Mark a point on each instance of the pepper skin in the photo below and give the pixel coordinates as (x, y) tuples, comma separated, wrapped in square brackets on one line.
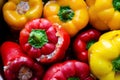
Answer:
[(72, 15), (17, 13), (68, 70), (18, 66), (82, 43), (104, 14), (44, 41), (104, 56)]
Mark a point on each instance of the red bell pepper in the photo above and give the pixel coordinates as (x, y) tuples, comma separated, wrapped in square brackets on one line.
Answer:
[(18, 66), (69, 70), (44, 41), (82, 43)]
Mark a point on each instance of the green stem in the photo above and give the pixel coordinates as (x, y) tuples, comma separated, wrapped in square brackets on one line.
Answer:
[(116, 64), (37, 38), (89, 44), (116, 5), (65, 13), (73, 78)]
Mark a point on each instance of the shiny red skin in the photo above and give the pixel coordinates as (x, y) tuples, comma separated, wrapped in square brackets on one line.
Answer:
[(80, 43), (13, 58), (51, 30), (67, 69)]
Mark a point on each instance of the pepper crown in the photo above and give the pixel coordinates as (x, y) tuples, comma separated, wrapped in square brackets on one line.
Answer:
[(116, 4), (73, 78), (37, 38), (89, 44), (116, 64), (65, 13)]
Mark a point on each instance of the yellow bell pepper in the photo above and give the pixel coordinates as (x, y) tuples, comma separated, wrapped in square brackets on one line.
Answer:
[(104, 14), (72, 15), (104, 56), (17, 12)]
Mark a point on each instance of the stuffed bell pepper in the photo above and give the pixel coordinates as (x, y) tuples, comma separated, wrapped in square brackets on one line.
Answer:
[(104, 56), (18, 66), (44, 41), (71, 14), (82, 43), (104, 14), (17, 13), (69, 70)]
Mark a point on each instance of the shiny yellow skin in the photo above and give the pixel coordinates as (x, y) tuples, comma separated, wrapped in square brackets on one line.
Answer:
[(90, 2), (78, 22), (102, 14), (17, 21), (102, 53)]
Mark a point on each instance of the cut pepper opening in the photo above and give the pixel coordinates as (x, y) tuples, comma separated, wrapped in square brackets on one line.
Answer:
[(37, 38), (24, 73), (22, 7), (65, 13), (116, 4), (116, 64)]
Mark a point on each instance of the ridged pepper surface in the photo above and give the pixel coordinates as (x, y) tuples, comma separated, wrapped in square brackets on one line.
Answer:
[(104, 56)]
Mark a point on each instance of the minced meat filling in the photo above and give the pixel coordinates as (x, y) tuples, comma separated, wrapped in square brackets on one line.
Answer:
[(22, 7), (24, 73)]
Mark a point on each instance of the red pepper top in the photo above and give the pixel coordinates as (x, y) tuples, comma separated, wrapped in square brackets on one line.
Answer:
[(69, 70), (44, 41)]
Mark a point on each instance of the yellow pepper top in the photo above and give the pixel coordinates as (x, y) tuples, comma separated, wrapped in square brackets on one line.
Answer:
[(72, 15), (104, 14), (104, 56), (17, 12)]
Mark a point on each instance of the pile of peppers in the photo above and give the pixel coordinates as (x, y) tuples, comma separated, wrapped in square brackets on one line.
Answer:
[(60, 40)]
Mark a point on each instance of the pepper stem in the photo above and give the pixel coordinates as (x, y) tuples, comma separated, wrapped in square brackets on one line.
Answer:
[(116, 64), (73, 78), (89, 44), (116, 4), (65, 13), (37, 38)]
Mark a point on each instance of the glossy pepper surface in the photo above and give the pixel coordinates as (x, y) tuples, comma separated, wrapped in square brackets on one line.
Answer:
[(83, 41), (18, 66), (104, 56), (71, 14), (17, 12), (44, 41), (104, 14), (68, 70)]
